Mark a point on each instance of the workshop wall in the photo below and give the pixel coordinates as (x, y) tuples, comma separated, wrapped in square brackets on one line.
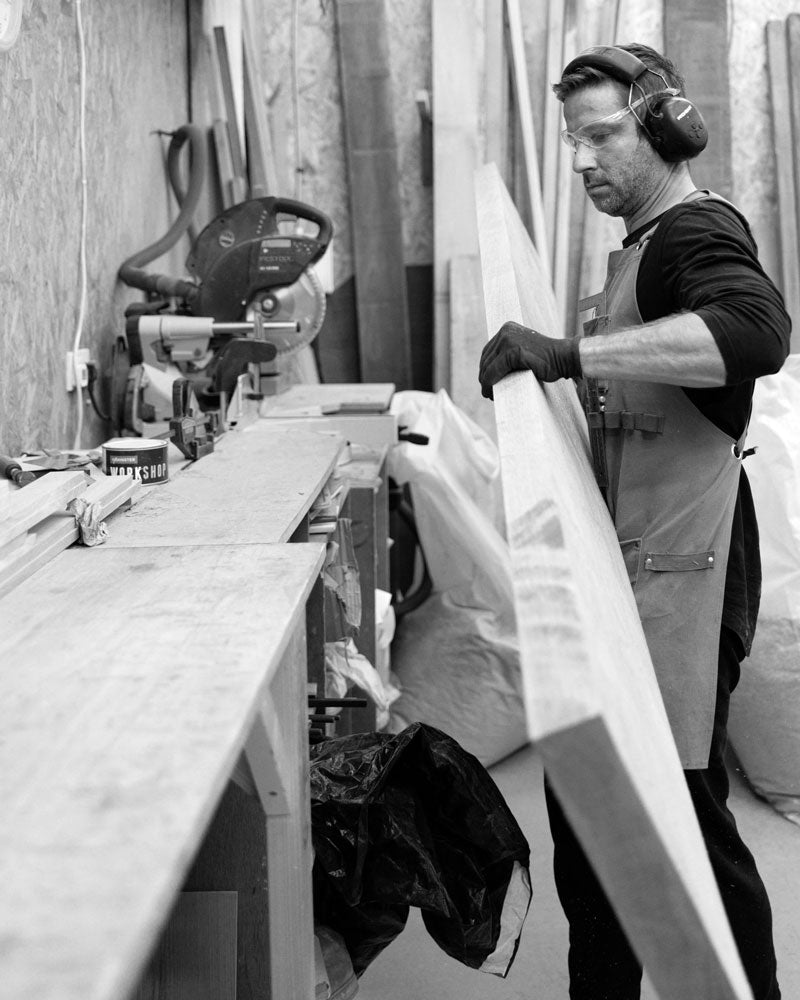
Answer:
[(135, 57)]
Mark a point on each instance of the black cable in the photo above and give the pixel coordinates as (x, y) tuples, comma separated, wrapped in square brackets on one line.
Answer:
[(91, 369)]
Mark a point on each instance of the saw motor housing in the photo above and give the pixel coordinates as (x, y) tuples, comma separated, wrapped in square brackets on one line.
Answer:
[(254, 298)]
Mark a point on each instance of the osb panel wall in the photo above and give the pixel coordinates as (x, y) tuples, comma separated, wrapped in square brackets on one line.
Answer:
[(135, 84), (754, 181), (304, 77)]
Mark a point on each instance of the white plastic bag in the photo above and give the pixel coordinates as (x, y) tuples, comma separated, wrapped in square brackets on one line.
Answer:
[(765, 708), (456, 657)]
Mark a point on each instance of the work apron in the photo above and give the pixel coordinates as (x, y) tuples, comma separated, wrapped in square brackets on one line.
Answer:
[(671, 481)]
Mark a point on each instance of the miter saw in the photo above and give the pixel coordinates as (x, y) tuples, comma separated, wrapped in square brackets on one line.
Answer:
[(253, 300)]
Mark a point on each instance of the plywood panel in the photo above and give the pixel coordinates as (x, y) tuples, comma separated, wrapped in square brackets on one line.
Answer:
[(591, 698), (135, 86)]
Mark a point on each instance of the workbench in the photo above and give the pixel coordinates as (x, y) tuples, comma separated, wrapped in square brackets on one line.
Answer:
[(132, 680), (150, 687)]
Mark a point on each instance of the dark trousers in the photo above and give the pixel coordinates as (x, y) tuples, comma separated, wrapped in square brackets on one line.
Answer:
[(601, 963)]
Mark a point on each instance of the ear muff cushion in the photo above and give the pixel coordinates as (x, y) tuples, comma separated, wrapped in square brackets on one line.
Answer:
[(676, 129)]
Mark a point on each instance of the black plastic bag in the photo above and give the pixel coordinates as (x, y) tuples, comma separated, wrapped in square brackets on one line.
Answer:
[(414, 820)]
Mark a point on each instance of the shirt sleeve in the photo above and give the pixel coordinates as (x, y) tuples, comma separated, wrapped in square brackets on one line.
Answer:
[(703, 259)]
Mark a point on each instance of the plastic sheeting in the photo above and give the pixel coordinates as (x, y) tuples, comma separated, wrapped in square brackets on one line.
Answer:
[(456, 657), (765, 709), (412, 819)]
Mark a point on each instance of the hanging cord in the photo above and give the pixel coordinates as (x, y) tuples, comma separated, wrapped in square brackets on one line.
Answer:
[(82, 253)]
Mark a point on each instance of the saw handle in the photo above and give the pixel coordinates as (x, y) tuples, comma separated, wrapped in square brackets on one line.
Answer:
[(302, 211)]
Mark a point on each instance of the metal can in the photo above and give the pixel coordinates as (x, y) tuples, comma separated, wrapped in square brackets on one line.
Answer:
[(144, 459)]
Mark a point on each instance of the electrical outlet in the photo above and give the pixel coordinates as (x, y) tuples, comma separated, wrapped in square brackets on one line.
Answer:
[(77, 366)]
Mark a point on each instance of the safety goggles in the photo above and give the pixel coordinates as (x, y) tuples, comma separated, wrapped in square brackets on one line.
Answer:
[(598, 133)]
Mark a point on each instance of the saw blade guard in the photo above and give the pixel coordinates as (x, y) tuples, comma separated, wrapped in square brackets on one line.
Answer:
[(252, 250)]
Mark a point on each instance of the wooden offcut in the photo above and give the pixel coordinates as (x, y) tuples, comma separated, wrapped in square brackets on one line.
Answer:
[(592, 703), (375, 206), (41, 498), (48, 537)]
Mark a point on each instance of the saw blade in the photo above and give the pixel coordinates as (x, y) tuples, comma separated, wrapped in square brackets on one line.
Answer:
[(302, 302)]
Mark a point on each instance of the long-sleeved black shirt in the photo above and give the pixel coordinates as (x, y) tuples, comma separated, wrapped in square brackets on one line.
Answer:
[(703, 259)]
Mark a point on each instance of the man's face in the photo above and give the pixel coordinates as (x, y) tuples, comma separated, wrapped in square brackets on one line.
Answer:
[(620, 168)]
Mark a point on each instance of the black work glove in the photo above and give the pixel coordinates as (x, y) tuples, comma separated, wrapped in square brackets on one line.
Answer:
[(516, 348)]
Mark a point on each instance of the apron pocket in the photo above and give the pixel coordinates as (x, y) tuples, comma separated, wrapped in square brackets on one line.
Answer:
[(667, 562)]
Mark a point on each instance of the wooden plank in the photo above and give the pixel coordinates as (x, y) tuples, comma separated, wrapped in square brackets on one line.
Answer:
[(131, 679), (592, 702), (256, 486), (261, 167), (47, 495), (793, 60), (554, 63), (783, 144), (374, 183), (519, 69), (456, 29), (223, 72), (333, 397), (196, 957), (562, 232), (495, 87), (59, 531)]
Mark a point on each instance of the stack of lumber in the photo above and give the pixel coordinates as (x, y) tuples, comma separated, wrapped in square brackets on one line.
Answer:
[(42, 519)]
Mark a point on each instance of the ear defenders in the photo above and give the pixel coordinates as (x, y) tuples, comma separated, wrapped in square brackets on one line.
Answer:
[(673, 124)]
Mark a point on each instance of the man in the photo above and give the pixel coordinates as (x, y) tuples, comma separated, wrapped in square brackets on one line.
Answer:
[(686, 322)]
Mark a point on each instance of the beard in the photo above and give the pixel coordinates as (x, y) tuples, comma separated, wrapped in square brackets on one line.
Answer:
[(631, 185)]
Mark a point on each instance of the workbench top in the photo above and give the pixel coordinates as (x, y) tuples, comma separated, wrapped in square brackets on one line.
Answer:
[(256, 486), (131, 678)]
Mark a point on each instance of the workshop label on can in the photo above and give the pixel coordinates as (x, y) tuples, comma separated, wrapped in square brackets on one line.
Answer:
[(145, 459)]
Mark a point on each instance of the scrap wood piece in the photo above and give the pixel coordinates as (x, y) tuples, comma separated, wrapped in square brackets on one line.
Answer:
[(592, 702), (33, 503), (26, 554), (384, 337)]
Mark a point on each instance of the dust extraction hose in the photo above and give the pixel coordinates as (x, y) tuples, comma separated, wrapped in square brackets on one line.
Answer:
[(131, 271)]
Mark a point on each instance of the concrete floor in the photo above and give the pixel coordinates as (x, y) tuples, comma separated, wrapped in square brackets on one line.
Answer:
[(414, 968)]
